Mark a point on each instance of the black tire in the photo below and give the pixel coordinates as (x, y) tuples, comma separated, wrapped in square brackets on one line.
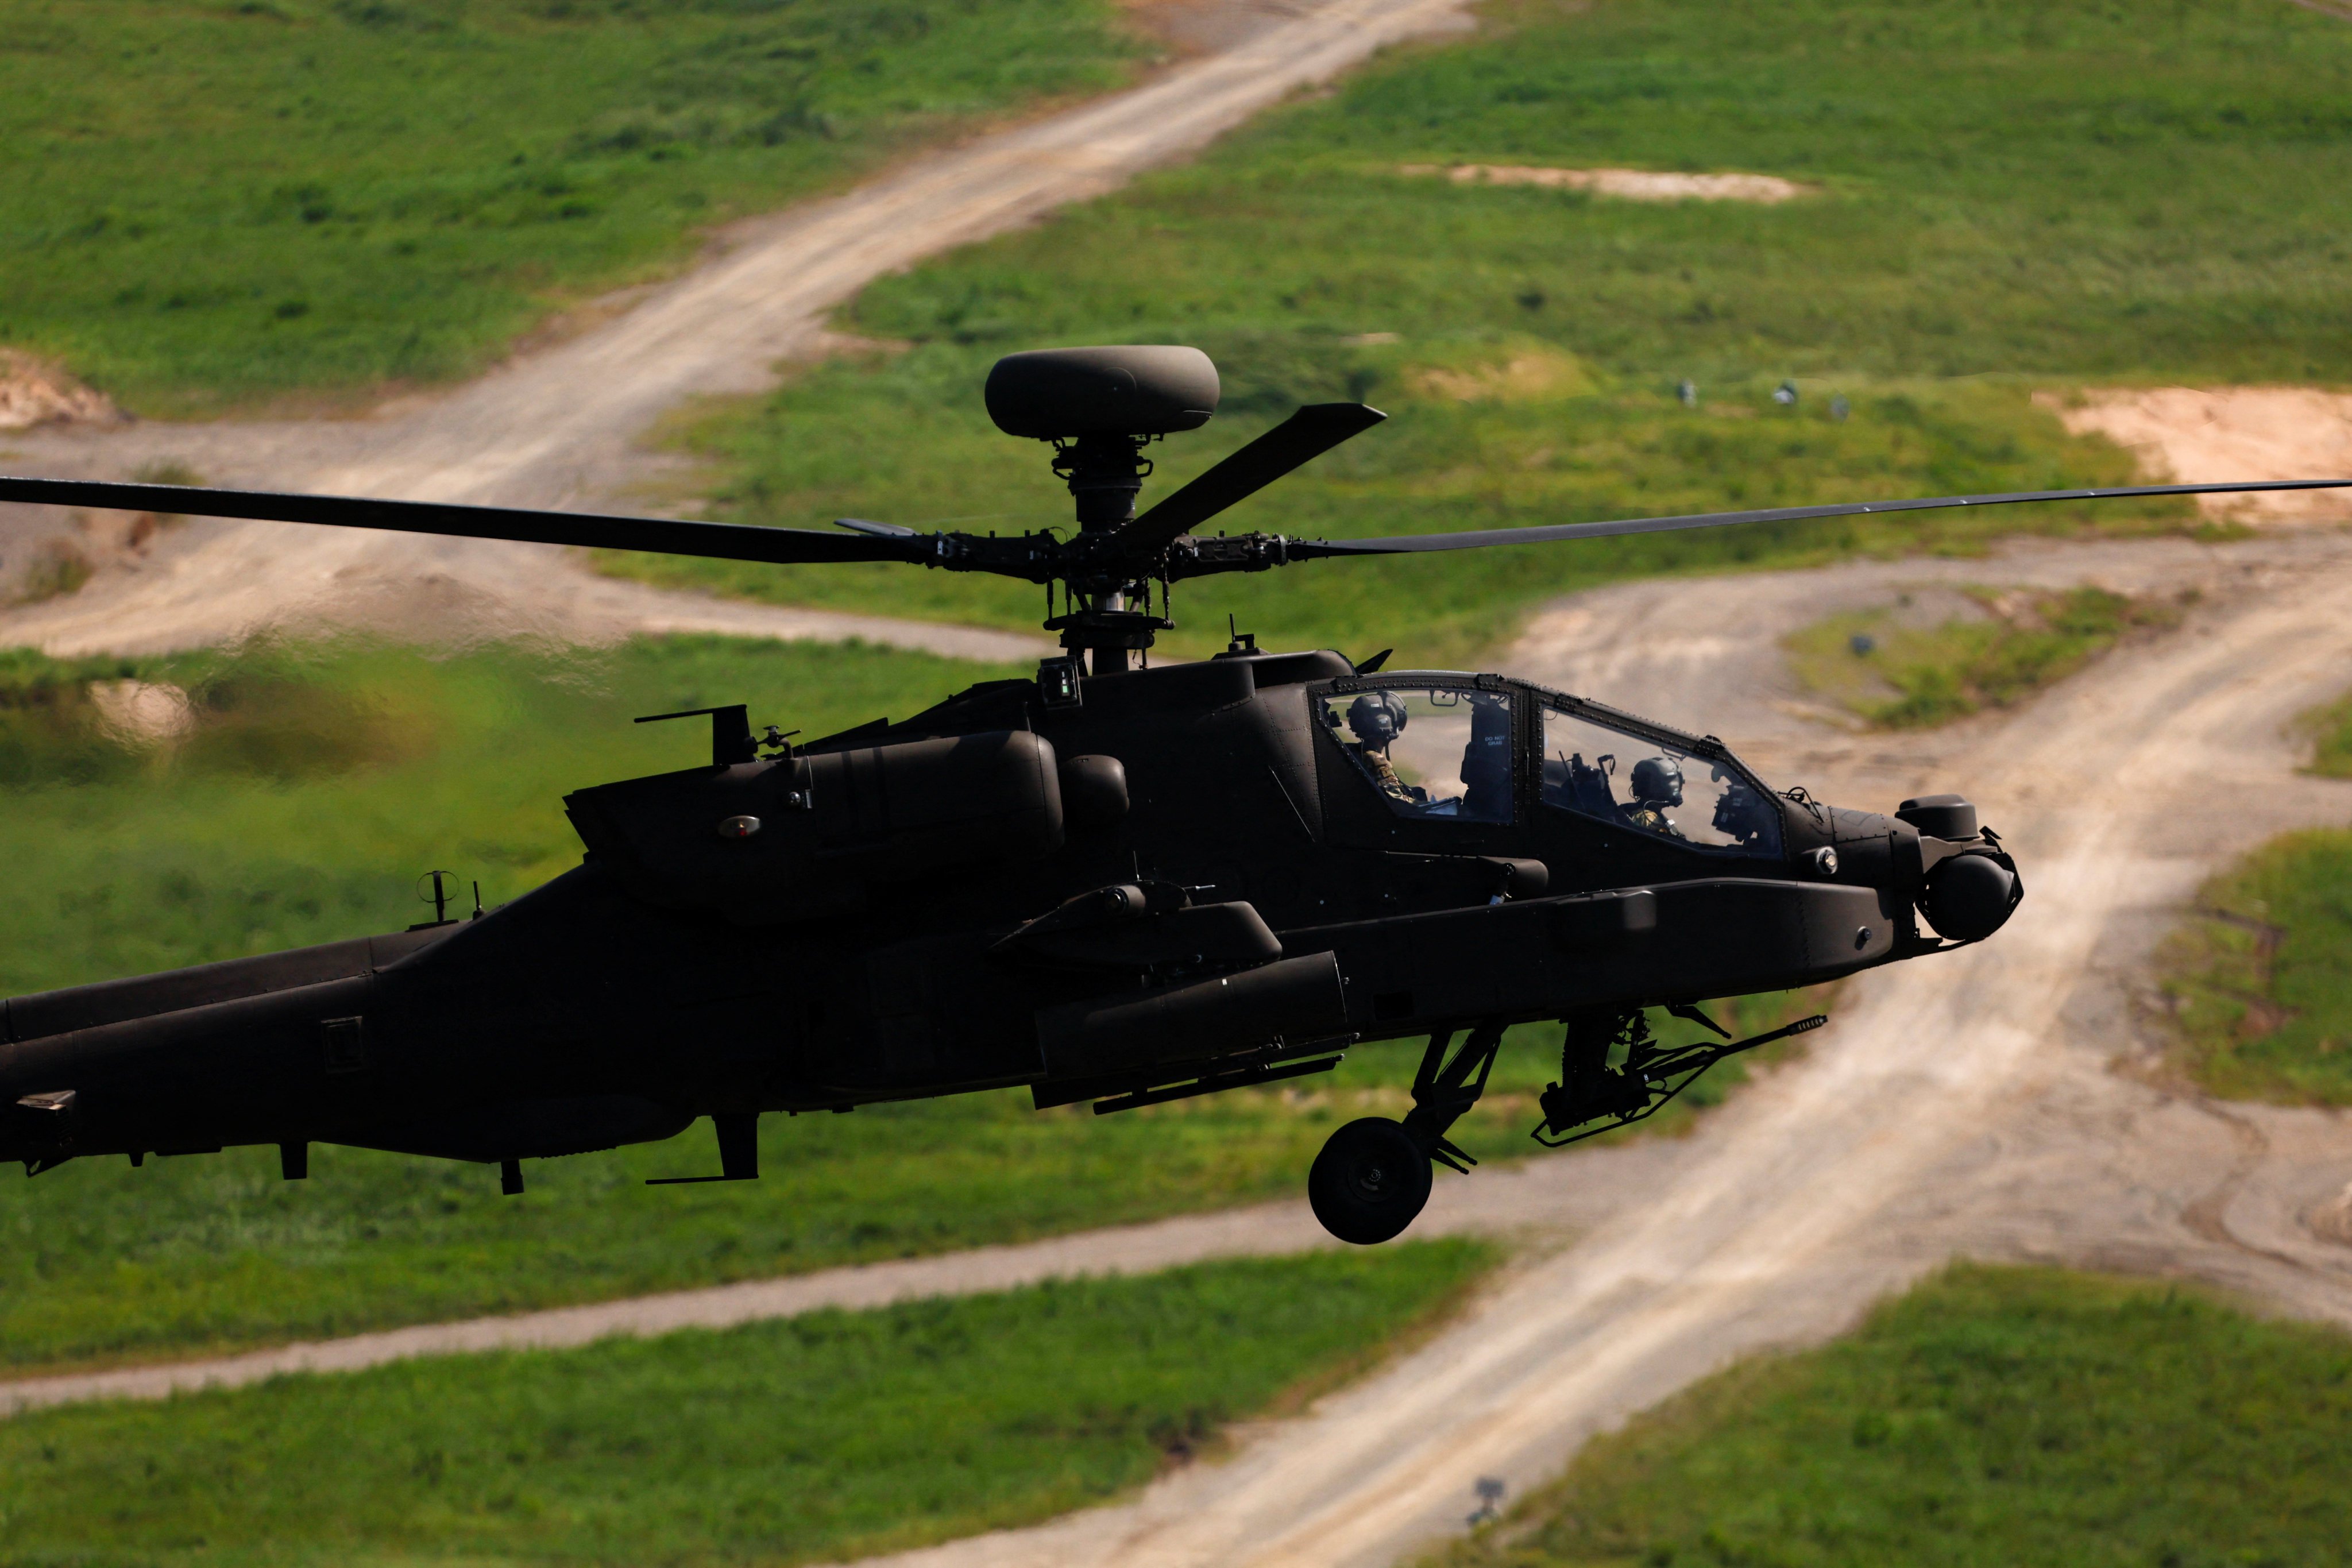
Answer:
[(1370, 1181)]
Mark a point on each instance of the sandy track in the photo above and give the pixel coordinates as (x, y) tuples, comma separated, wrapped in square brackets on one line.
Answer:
[(1544, 1198), (2207, 435), (552, 429), (1132, 1249)]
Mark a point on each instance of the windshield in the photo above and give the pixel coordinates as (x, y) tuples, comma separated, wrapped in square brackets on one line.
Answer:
[(1617, 776), (1431, 751)]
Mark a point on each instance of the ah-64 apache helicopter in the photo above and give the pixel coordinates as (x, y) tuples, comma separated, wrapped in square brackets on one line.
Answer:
[(1112, 883)]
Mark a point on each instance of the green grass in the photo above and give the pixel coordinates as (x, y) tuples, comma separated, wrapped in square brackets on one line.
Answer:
[(826, 1437), (316, 786), (2330, 728), (102, 1263), (2012, 198), (322, 780), (2068, 189), (2260, 975), (1992, 1418), (209, 204), (1893, 669)]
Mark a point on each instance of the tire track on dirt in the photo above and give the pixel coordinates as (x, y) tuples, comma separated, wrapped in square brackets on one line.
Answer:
[(1543, 1198)]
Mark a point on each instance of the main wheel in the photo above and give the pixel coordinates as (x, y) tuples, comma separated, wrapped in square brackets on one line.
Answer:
[(1369, 1181)]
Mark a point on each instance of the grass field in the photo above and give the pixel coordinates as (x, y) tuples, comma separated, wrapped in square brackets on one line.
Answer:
[(1993, 1418), (2259, 975), (2330, 728), (209, 206), (2009, 197), (1894, 669), (825, 1436), (102, 1263), (315, 787), (323, 779)]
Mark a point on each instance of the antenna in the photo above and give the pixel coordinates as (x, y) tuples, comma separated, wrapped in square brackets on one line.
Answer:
[(433, 888)]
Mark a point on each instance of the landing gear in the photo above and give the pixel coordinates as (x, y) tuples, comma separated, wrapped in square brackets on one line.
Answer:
[(1370, 1181), (1593, 1097), (1374, 1175)]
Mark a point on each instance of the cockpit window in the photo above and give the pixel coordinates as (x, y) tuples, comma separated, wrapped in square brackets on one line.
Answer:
[(1431, 752), (1623, 778)]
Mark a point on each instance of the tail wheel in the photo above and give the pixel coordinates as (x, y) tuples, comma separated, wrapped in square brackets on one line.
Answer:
[(1369, 1181)]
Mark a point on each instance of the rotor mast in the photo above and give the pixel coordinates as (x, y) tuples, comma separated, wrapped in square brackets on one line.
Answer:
[(1100, 623)]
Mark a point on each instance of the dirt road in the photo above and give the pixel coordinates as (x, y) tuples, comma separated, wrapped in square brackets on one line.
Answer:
[(555, 428), (1546, 1198), (1959, 1105)]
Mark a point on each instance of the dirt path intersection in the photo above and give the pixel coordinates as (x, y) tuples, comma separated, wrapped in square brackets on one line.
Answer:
[(1962, 1105)]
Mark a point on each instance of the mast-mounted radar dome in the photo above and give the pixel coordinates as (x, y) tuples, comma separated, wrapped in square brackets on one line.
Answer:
[(1138, 390)]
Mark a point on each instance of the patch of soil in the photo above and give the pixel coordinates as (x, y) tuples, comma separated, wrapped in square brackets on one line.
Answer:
[(142, 713), (1627, 184), (1522, 377), (2191, 436), (1192, 28), (33, 393), (2332, 1219), (53, 552)]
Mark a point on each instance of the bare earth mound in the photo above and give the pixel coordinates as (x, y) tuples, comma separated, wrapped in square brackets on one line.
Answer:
[(33, 394), (1630, 184), (2232, 433)]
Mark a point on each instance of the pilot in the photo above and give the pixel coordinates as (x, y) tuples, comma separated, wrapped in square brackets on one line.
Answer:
[(1377, 718), (1657, 785)]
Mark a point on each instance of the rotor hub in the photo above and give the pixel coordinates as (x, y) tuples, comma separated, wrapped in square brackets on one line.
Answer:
[(1117, 631)]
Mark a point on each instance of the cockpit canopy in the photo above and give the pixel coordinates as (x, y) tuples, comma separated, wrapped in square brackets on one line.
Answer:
[(1692, 793), (1445, 748)]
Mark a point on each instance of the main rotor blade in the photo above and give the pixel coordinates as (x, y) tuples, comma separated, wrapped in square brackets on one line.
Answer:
[(1304, 436), (718, 540), (1546, 533)]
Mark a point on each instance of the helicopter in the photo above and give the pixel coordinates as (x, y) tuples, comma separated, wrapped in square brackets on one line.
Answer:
[(1116, 882)]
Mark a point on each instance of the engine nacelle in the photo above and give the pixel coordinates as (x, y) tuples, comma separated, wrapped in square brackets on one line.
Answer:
[(811, 836)]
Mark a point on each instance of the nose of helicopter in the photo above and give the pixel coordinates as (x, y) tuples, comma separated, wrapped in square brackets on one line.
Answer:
[(1931, 852)]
